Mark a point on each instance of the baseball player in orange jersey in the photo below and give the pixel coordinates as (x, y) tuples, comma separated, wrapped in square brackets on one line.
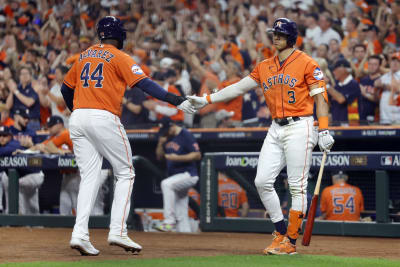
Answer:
[(292, 82), (93, 88), (341, 201), (232, 197)]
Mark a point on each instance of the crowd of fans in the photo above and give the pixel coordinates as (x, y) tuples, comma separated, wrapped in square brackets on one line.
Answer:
[(200, 46)]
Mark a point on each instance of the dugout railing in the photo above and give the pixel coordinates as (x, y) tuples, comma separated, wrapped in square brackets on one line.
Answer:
[(378, 162)]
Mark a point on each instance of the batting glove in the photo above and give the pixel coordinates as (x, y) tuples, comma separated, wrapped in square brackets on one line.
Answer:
[(197, 101), (187, 107), (325, 141)]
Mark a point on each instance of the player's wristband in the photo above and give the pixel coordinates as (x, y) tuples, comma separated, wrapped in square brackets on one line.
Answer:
[(323, 122), (208, 98), (173, 99)]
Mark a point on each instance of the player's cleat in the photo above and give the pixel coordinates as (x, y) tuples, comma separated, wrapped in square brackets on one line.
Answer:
[(83, 246), (285, 248), (124, 242), (276, 242), (165, 227)]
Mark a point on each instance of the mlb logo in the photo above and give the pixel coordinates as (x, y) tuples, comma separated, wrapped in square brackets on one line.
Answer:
[(279, 24), (386, 160)]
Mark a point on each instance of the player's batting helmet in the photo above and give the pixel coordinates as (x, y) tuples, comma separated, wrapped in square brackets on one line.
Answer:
[(111, 27), (286, 27)]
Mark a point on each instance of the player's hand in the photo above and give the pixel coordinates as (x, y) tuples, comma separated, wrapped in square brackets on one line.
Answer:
[(325, 141), (197, 101), (187, 107)]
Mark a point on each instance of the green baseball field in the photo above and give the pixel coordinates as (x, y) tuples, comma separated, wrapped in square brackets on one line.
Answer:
[(31, 247)]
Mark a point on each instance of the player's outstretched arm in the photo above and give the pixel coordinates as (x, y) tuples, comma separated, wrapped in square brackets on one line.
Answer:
[(153, 89), (228, 93), (325, 140)]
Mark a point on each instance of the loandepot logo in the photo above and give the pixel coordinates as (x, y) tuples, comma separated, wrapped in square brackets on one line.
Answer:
[(241, 161), (66, 162)]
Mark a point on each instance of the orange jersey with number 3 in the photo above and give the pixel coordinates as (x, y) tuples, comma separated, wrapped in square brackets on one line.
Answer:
[(286, 86), (342, 202), (100, 77)]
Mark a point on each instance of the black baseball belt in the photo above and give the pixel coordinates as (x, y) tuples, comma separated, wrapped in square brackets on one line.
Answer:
[(286, 120)]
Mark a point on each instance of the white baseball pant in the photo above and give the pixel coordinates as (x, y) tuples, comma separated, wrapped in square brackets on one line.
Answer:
[(96, 134), (289, 145), (28, 197), (176, 200)]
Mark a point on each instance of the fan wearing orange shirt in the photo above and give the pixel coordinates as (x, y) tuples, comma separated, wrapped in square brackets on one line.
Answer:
[(232, 70), (93, 90), (292, 82), (341, 201)]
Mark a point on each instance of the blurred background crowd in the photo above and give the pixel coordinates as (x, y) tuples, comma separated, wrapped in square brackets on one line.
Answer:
[(201, 46)]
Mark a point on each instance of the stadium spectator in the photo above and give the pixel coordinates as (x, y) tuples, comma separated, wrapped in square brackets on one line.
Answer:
[(232, 69), (351, 31), (24, 96), (344, 93), (334, 53), (313, 31), (369, 99), (389, 114), (341, 201), (224, 118), (250, 106), (133, 111), (54, 98), (29, 181), (162, 109), (42, 38), (327, 33)]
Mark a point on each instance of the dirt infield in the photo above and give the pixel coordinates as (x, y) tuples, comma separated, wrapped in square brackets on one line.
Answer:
[(22, 244)]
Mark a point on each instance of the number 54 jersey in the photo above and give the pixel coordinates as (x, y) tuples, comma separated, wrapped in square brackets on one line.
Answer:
[(286, 85), (101, 76), (342, 202)]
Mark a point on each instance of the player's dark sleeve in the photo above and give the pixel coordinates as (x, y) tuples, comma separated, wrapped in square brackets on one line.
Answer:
[(153, 89), (68, 95)]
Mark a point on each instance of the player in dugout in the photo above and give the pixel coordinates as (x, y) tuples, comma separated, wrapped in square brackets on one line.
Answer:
[(292, 82), (341, 201)]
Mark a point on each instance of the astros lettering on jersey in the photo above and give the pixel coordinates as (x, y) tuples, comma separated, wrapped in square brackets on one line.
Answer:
[(286, 86), (106, 72)]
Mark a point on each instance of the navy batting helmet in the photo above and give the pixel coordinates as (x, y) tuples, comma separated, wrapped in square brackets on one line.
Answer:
[(111, 27), (286, 27)]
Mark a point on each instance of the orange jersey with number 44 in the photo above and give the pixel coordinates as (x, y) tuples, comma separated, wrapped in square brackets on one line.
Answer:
[(100, 77), (286, 86)]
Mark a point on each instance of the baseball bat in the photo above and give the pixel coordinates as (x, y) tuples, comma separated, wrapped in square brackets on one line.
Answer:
[(313, 207)]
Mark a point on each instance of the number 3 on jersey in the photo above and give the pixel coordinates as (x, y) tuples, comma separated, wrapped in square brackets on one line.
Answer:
[(292, 98), (96, 75)]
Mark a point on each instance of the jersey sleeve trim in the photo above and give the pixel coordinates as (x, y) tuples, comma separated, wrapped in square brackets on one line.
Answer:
[(254, 79), (68, 84), (316, 91), (136, 81)]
